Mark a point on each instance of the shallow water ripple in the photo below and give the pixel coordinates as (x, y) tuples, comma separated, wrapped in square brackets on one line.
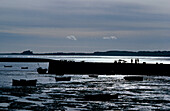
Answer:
[(151, 94)]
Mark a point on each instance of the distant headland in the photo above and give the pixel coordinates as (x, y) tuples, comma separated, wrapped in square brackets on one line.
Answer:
[(106, 53)]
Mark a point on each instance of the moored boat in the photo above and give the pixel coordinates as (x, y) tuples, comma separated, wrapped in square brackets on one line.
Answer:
[(24, 82), (62, 78), (24, 67), (100, 97), (40, 70), (133, 78), (7, 66)]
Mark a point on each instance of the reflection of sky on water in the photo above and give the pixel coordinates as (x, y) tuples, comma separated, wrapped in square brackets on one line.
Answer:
[(147, 59), (150, 94)]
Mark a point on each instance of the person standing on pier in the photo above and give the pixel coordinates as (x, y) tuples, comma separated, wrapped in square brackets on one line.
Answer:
[(136, 61)]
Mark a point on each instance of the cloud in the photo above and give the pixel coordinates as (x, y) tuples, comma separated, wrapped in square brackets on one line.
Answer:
[(110, 37), (71, 37), (93, 21)]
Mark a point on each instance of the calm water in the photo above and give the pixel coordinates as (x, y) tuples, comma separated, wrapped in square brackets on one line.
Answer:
[(151, 94)]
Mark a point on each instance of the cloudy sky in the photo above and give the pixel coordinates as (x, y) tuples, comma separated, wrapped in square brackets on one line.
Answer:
[(84, 25)]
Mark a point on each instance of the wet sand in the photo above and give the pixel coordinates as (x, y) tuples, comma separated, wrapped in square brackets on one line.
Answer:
[(150, 94)]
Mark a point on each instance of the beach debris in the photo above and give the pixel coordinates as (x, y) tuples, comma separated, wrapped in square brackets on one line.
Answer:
[(7, 65), (100, 97), (24, 82), (133, 78), (24, 67), (62, 78), (40, 70)]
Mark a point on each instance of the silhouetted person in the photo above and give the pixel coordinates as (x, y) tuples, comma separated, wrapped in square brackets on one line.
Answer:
[(136, 61)]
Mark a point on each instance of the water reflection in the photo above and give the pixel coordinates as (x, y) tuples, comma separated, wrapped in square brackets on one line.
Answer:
[(153, 93), (147, 59), (139, 95)]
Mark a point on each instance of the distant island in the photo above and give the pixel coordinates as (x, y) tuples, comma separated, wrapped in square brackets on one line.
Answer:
[(107, 53)]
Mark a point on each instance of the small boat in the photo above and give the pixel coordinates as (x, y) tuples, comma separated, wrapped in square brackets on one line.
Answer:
[(24, 67), (62, 78), (100, 97), (40, 70), (23, 82), (133, 78), (93, 75), (7, 66)]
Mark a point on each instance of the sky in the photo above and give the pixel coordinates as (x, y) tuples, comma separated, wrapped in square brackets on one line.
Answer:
[(84, 25)]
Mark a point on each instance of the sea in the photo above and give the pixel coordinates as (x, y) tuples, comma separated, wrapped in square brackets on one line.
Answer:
[(151, 94)]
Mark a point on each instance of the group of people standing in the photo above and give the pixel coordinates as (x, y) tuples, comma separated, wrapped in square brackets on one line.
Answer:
[(136, 60)]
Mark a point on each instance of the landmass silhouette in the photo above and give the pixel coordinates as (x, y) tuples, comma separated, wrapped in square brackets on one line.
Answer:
[(98, 53)]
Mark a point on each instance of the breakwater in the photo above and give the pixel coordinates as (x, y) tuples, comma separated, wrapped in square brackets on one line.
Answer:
[(71, 67), (60, 67)]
